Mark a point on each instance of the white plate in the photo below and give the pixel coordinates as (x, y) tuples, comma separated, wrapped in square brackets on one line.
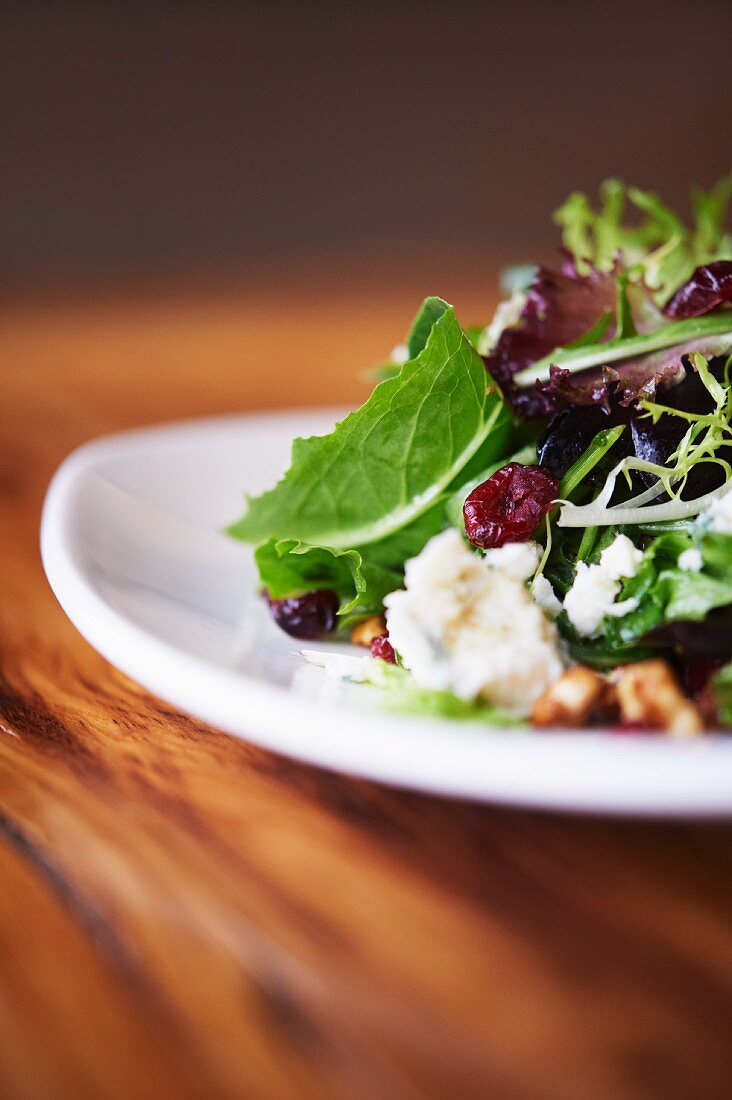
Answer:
[(132, 546)]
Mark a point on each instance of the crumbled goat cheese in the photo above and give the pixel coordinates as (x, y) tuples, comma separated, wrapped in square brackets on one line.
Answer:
[(476, 631), (339, 666), (399, 354), (595, 587), (545, 596), (518, 560), (621, 558), (718, 516), (691, 560)]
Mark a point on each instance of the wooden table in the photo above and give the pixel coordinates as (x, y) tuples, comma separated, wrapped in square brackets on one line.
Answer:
[(183, 915)]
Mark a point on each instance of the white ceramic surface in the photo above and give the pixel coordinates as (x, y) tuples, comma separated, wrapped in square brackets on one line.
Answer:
[(132, 546)]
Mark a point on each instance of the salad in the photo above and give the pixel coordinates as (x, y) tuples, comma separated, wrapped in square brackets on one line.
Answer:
[(530, 521)]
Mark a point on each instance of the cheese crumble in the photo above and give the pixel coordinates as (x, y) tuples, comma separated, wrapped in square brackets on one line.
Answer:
[(718, 516), (464, 625), (595, 588), (691, 560)]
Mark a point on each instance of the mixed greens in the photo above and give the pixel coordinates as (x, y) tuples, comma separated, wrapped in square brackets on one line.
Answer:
[(612, 374)]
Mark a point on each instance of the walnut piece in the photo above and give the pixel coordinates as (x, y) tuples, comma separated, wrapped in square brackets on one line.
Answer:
[(648, 693), (571, 699), (365, 632)]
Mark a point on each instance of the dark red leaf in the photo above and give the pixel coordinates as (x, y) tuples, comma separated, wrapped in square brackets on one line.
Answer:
[(709, 286), (630, 380), (560, 307)]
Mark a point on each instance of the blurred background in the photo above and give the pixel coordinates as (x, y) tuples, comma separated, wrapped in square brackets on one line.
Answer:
[(210, 206), (215, 140)]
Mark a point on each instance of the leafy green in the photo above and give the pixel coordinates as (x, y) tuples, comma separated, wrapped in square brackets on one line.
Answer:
[(405, 697), (290, 568), (666, 593), (661, 248), (674, 334), (393, 551), (710, 212), (716, 550), (671, 265), (416, 339), (687, 595), (431, 310), (624, 322), (587, 543), (390, 461), (722, 691), (604, 652), (596, 237), (603, 442), (361, 577)]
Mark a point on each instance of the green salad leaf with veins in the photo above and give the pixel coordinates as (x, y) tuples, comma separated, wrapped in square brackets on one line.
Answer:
[(385, 465)]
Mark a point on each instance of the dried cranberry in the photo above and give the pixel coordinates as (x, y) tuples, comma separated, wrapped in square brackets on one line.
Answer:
[(308, 616), (509, 506), (381, 647)]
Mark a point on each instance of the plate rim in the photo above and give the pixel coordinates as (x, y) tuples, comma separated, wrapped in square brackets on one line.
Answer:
[(384, 753)]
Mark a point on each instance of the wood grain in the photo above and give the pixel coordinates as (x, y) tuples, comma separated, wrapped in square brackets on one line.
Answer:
[(185, 915)]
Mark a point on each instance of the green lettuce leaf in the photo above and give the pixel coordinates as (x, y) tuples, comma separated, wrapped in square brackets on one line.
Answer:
[(393, 551), (431, 310), (403, 695), (360, 577), (692, 596), (389, 462), (722, 691), (666, 593), (716, 549), (290, 568)]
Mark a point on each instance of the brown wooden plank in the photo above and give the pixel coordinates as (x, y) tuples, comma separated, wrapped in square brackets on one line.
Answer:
[(245, 925)]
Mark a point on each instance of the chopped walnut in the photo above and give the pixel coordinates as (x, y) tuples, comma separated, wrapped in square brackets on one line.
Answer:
[(366, 631), (648, 693), (571, 699)]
